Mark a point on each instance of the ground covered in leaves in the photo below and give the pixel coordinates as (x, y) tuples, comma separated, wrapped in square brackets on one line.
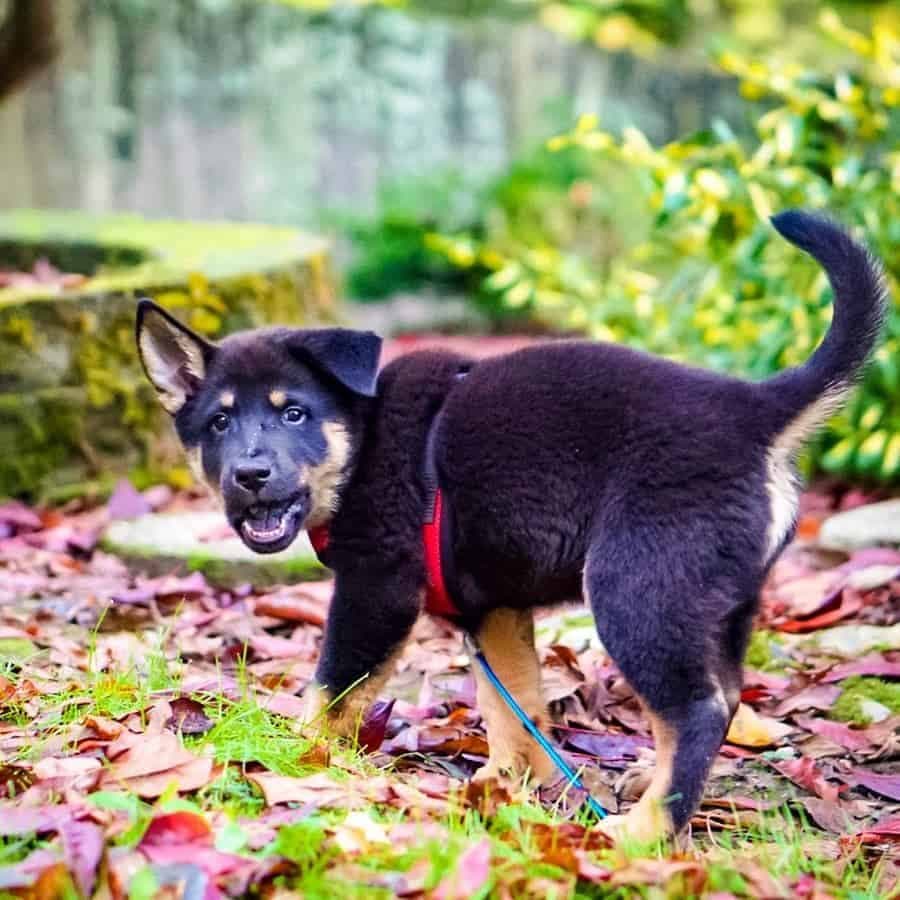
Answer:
[(148, 745)]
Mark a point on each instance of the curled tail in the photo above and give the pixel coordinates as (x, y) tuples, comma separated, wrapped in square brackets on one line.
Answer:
[(812, 391)]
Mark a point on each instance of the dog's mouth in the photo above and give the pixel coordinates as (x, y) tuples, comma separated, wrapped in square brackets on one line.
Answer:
[(270, 527)]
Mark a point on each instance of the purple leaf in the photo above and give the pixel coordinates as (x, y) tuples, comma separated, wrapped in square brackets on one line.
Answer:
[(126, 502), (33, 819), (374, 725), (873, 664), (20, 517), (886, 785), (611, 748), (83, 849)]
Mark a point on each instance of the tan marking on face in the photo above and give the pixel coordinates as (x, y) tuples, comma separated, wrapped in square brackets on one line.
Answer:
[(226, 400), (782, 482), (343, 718), (325, 479), (277, 399), (507, 639)]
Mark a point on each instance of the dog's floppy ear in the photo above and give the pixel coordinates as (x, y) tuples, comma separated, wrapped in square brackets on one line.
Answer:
[(350, 357), (174, 357)]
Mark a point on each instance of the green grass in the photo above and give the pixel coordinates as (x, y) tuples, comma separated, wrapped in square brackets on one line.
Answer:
[(785, 844)]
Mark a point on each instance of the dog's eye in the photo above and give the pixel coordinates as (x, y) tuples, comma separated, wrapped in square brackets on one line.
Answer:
[(219, 423), (293, 415)]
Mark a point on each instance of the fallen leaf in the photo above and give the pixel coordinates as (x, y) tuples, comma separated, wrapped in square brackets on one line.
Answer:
[(819, 696), (374, 725), (689, 875), (292, 607), (318, 789), (469, 876), (804, 772), (828, 814), (188, 716), (874, 664), (749, 729), (886, 785), (180, 827), (853, 739), (126, 502), (82, 850)]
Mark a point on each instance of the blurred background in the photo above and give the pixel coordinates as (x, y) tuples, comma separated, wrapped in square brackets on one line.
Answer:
[(515, 167)]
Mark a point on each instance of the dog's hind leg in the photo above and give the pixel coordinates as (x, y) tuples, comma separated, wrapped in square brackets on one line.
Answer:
[(665, 629), (506, 637)]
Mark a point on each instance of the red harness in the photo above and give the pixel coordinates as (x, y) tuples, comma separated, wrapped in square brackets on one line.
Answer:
[(437, 598), (436, 528)]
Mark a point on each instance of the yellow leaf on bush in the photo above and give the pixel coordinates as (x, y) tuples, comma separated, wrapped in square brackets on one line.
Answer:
[(749, 729)]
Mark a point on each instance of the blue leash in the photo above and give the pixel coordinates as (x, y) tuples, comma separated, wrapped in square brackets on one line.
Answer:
[(534, 731)]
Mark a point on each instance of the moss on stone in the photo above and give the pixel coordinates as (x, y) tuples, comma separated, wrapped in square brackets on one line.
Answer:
[(70, 382), (850, 706)]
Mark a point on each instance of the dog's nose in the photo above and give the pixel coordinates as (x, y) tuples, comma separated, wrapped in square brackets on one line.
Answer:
[(252, 475)]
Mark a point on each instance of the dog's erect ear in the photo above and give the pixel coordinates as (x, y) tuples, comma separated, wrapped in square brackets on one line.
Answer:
[(350, 357), (174, 357)]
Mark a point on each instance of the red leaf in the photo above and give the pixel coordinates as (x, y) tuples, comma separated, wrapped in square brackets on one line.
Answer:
[(806, 773), (851, 603), (374, 726), (177, 828)]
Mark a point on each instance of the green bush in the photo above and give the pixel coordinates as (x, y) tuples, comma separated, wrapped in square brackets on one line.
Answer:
[(708, 281)]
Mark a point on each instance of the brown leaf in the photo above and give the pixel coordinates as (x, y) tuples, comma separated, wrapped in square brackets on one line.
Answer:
[(318, 789), (188, 716), (828, 814), (689, 875), (486, 796), (149, 763), (292, 608)]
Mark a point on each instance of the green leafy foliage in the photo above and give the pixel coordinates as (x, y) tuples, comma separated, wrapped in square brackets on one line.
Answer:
[(707, 280)]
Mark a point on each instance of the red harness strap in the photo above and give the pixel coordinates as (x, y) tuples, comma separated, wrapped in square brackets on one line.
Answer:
[(437, 598)]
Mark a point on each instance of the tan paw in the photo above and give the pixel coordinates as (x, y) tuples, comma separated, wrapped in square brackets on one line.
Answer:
[(640, 825)]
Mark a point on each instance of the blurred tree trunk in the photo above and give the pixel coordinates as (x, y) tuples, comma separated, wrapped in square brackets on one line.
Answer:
[(27, 42)]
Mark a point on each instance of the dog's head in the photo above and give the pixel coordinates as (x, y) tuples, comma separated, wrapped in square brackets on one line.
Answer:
[(266, 417)]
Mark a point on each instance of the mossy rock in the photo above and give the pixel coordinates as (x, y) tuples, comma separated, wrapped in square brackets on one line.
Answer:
[(165, 542), (71, 386)]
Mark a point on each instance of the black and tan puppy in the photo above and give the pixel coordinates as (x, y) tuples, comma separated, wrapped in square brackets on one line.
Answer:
[(660, 493)]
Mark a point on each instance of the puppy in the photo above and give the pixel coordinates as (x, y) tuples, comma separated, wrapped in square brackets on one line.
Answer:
[(660, 493)]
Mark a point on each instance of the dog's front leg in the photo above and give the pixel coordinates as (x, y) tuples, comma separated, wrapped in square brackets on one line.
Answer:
[(371, 615)]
